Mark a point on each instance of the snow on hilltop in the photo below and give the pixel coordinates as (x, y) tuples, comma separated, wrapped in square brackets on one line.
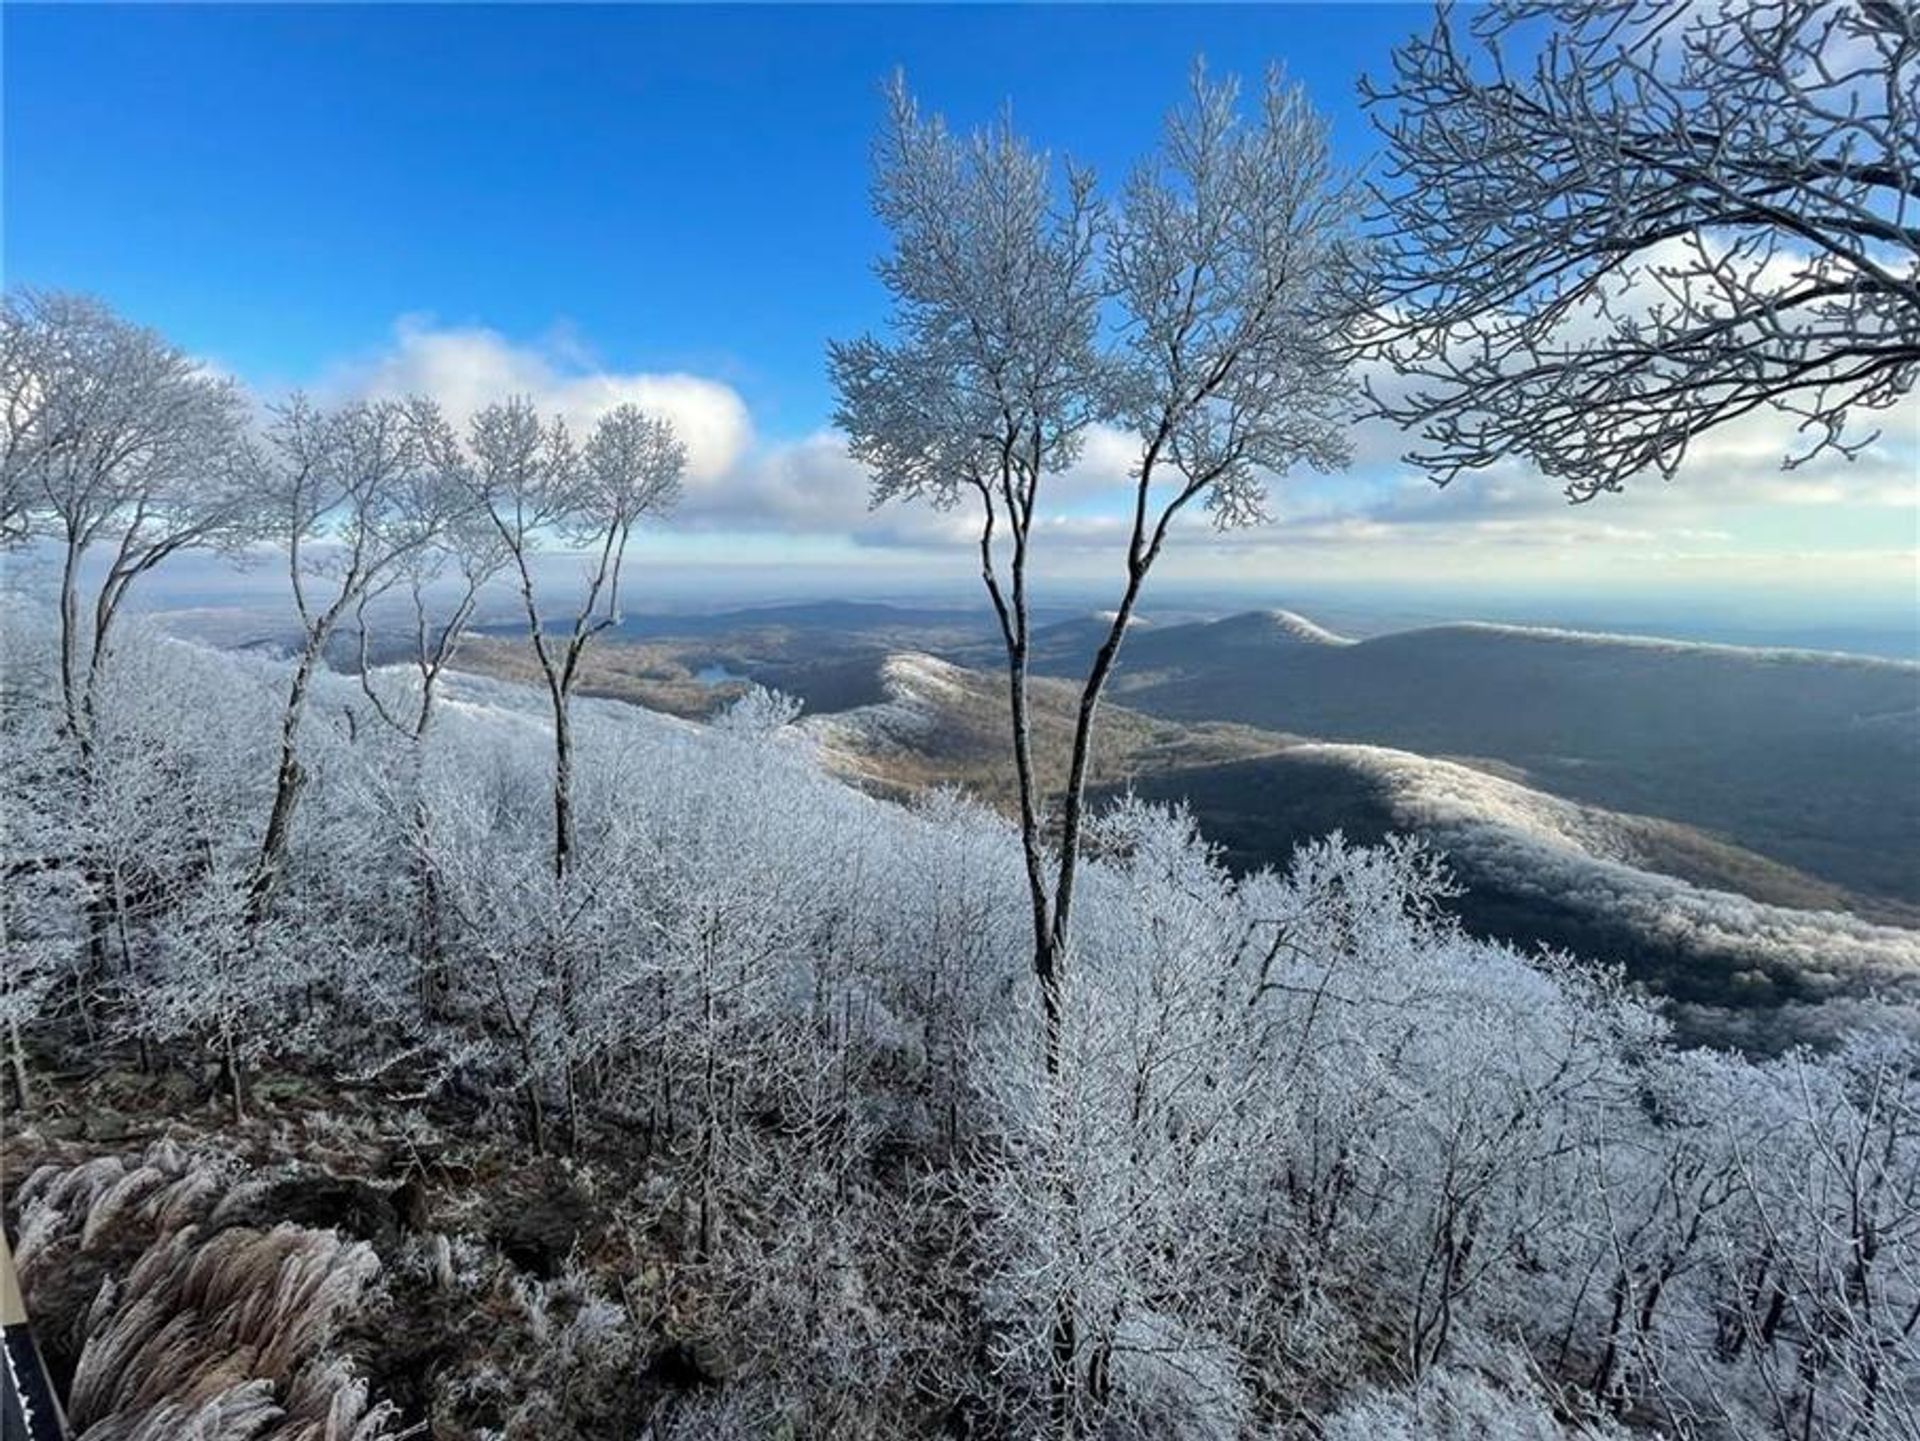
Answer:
[(918, 689), (1600, 640), (1591, 859), (1295, 626), (1805, 757), (1250, 628)]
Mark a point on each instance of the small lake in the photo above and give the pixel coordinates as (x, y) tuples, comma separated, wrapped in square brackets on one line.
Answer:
[(716, 674)]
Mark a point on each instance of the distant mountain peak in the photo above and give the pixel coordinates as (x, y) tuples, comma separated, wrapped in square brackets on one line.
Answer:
[(910, 673), (1280, 624)]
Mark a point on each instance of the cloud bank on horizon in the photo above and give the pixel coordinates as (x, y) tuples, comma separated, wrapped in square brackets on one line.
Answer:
[(1733, 516)]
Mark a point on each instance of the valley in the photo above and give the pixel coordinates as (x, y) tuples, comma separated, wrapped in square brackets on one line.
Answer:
[(1735, 827)]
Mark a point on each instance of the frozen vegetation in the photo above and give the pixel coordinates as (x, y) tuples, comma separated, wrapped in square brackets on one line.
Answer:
[(1314, 1159), (1595, 860), (393, 1051)]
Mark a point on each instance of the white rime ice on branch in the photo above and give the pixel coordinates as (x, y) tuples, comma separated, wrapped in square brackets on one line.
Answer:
[(1612, 228), (1201, 314), (1051, 1126)]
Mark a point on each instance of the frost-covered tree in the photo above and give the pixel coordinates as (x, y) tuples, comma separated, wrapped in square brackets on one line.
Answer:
[(522, 943), (120, 452), (989, 381), (1218, 272), (43, 884), (144, 938), (1312, 1158), (1204, 316), (760, 712), (117, 443), (534, 485), (1815, 1282), (985, 391), (1226, 256), (1612, 228), (436, 589), (350, 495)]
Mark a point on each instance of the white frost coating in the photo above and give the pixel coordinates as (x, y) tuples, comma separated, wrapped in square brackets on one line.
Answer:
[(1312, 1075), (1298, 627), (1590, 858), (916, 687), (1759, 655)]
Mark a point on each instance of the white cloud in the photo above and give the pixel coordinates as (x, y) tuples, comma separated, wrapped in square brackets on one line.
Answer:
[(813, 486), (465, 368), (1382, 516), (805, 485)]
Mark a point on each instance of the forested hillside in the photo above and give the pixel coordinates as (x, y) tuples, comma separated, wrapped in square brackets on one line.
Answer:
[(1803, 756), (1314, 1158)]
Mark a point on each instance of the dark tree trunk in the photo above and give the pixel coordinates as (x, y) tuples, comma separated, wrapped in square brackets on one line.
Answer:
[(231, 1074), (562, 785), (70, 641), (537, 1116), (289, 780)]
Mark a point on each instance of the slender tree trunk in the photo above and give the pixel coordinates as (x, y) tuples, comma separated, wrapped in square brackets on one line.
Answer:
[(123, 943), (106, 609), (709, 1105), (1048, 955), (1073, 802), (230, 1073), (562, 783), (70, 641), (1046, 950), (573, 1112), (99, 929), (426, 880), (1051, 955), (426, 876), (289, 780), (537, 1116), (77, 718)]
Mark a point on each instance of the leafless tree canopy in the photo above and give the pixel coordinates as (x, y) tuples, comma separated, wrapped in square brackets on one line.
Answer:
[(115, 441), (1194, 314), (111, 431), (895, 1120), (1613, 227), (1202, 315), (528, 480)]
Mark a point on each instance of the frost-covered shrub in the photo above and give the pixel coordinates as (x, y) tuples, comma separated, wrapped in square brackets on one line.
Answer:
[(1454, 1405), (557, 1357), (760, 712), (1309, 1146)]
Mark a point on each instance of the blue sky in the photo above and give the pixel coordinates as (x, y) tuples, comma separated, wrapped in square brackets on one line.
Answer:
[(671, 203), (686, 186)]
